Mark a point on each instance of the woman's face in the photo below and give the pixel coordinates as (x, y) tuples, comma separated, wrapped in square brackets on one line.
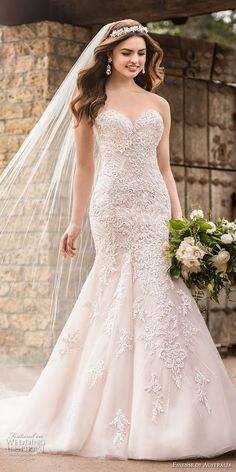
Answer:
[(129, 56)]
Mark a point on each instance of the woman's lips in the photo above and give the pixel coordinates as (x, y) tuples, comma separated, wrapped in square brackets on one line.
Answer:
[(132, 68)]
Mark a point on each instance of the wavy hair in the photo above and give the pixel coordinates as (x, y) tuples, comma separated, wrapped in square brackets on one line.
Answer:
[(91, 79)]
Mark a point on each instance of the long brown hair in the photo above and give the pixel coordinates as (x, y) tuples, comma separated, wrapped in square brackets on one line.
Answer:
[(91, 79)]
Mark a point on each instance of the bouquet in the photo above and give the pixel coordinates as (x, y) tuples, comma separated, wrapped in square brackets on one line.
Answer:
[(202, 253)]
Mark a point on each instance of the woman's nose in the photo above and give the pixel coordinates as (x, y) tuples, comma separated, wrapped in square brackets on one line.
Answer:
[(135, 59)]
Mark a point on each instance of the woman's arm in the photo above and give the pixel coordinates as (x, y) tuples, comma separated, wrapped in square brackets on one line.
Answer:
[(84, 173), (163, 158), (82, 186)]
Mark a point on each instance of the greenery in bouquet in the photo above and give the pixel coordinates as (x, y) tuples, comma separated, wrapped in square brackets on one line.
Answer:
[(202, 253)]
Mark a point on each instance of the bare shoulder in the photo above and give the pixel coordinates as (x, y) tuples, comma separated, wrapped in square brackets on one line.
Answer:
[(160, 102)]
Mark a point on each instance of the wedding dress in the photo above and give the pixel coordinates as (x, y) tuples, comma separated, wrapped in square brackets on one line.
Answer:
[(134, 372)]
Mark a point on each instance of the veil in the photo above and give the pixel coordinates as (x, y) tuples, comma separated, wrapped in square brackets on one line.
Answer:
[(39, 286)]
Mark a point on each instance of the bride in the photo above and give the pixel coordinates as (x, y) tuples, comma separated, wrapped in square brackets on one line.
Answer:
[(135, 372)]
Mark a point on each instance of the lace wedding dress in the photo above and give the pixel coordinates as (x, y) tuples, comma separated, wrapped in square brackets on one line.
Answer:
[(134, 372)]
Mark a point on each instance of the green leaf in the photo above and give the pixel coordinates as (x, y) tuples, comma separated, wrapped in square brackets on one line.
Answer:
[(175, 271), (203, 225), (177, 224)]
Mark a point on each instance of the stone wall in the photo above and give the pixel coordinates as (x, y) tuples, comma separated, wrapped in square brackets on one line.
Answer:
[(200, 87), (35, 59)]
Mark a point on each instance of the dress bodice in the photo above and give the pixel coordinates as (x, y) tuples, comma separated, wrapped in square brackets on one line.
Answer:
[(129, 174), (115, 130)]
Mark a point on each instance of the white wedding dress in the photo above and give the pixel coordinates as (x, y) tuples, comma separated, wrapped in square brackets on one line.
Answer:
[(135, 372)]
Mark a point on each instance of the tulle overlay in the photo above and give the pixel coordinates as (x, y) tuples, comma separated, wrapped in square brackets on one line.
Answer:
[(134, 372)]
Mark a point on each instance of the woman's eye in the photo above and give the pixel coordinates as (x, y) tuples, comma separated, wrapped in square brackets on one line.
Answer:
[(127, 53)]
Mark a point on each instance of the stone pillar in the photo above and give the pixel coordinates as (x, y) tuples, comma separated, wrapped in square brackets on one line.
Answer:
[(35, 59)]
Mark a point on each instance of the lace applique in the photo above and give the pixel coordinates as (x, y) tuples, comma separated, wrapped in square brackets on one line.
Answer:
[(163, 327), (187, 328), (96, 372), (139, 311), (128, 151), (129, 209), (125, 136), (71, 342), (186, 302), (202, 382), (125, 342), (120, 424), (111, 320), (173, 356), (154, 387), (94, 310), (118, 297)]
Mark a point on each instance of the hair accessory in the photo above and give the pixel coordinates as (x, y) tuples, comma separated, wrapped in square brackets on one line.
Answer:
[(129, 29)]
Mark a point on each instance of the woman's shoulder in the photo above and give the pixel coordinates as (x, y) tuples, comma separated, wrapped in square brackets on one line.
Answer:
[(158, 100)]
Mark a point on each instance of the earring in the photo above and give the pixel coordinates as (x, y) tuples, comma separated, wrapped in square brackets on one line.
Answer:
[(143, 70), (108, 70)]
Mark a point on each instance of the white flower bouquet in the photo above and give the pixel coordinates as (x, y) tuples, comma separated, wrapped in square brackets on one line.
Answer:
[(202, 253)]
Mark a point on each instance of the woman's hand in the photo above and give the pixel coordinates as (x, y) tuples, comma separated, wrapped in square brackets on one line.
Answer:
[(68, 240), (177, 217)]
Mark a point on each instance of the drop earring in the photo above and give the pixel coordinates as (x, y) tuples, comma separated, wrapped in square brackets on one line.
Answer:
[(108, 70), (143, 70)]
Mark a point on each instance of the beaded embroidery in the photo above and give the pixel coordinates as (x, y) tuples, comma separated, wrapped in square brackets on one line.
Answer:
[(155, 389), (129, 209), (71, 342), (202, 382), (120, 424), (125, 342), (96, 372)]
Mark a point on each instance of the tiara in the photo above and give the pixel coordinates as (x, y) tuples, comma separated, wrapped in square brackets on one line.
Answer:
[(129, 29)]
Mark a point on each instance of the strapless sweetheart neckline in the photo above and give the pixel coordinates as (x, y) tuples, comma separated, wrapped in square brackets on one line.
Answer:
[(133, 122)]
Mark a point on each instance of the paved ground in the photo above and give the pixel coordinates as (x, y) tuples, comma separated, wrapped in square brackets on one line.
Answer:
[(62, 463), (69, 463)]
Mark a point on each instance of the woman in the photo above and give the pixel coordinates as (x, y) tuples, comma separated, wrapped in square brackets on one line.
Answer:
[(134, 373)]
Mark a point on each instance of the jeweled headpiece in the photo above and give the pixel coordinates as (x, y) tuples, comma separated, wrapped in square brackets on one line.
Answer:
[(128, 29)]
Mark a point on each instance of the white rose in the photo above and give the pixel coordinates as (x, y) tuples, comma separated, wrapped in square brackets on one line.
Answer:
[(198, 252), (184, 251), (189, 240), (165, 245), (225, 222), (196, 214), (213, 227), (188, 251), (220, 260), (227, 238), (231, 225), (192, 264)]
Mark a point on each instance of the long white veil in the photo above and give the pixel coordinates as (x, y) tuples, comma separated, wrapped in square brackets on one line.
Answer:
[(41, 286)]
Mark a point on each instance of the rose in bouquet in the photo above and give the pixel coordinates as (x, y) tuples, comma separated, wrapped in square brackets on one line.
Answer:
[(202, 253)]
